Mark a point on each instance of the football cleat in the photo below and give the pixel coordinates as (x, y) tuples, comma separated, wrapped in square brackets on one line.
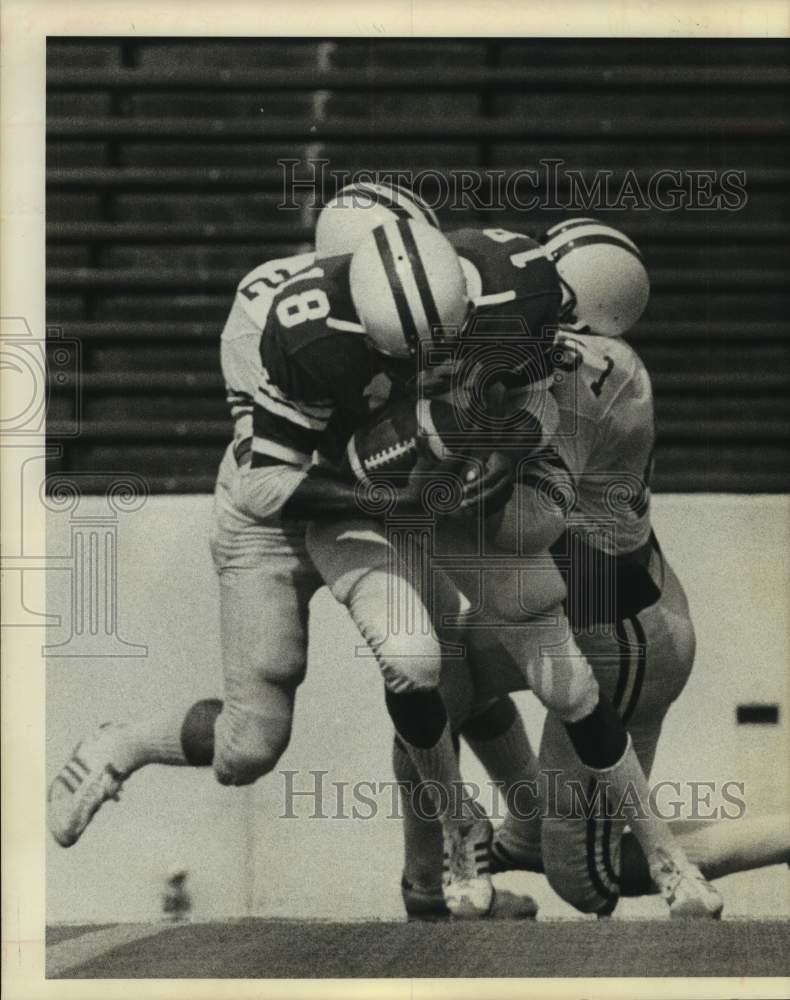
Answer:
[(466, 883), (686, 890), (603, 277), (506, 858), (408, 287), (423, 902), (427, 903), (84, 783)]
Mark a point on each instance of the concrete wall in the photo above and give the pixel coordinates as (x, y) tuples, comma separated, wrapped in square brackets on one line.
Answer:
[(730, 551)]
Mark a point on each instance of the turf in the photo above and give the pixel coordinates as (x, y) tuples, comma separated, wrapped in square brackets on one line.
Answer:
[(288, 949), (64, 932)]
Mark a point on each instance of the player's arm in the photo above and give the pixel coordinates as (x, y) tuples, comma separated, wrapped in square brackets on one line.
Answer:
[(322, 494)]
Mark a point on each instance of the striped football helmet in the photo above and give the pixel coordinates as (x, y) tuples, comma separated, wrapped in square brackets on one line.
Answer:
[(358, 208), (407, 285), (604, 282)]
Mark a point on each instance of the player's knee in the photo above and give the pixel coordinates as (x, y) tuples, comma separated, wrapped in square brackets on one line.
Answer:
[(564, 683), (401, 638), (409, 663), (248, 748), (580, 865)]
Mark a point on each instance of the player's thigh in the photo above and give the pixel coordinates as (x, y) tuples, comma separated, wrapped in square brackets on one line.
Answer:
[(503, 586), (394, 594), (266, 581), (642, 664)]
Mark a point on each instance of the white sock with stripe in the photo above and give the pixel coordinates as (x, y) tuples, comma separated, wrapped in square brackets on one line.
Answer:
[(422, 837), (439, 764), (157, 741), (510, 761), (627, 788)]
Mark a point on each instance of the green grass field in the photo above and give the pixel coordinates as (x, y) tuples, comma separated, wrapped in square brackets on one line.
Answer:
[(262, 949)]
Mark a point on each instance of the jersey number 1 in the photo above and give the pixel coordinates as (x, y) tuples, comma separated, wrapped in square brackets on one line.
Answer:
[(597, 385)]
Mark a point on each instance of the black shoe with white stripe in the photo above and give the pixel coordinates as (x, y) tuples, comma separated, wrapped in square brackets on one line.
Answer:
[(467, 887)]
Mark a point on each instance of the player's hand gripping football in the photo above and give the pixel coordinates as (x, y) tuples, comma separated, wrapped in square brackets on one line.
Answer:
[(486, 481)]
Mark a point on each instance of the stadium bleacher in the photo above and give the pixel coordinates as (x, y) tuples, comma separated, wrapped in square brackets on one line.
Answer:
[(163, 185)]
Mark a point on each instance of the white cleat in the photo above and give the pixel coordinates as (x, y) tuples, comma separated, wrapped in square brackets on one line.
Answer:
[(83, 784), (687, 892), (466, 885)]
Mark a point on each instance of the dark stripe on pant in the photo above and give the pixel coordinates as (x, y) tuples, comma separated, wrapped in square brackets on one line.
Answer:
[(606, 850), (641, 652), (624, 650), (609, 898)]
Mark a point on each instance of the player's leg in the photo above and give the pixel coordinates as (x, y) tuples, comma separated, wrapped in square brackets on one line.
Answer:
[(266, 581), (717, 848), (97, 767), (257, 566), (385, 583), (642, 665), (497, 737), (421, 881), (423, 843)]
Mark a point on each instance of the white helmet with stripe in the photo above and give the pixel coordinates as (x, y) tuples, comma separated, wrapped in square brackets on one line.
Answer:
[(359, 208), (605, 284), (407, 285)]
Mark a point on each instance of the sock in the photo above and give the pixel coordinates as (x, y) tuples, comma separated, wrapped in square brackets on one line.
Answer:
[(600, 738), (627, 787), (499, 741), (419, 717), (422, 837), (160, 740), (197, 732), (438, 764)]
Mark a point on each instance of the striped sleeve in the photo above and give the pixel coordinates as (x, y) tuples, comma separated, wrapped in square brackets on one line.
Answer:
[(284, 429)]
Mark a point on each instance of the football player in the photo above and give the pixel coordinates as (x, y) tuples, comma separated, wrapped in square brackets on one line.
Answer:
[(718, 849), (510, 277), (589, 497), (299, 349)]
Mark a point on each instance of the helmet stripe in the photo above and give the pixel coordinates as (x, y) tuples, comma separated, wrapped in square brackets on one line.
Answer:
[(563, 227), (396, 206), (583, 241), (408, 326), (420, 277), (379, 198)]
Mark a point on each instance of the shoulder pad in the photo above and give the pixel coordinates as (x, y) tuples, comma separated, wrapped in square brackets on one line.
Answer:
[(508, 272)]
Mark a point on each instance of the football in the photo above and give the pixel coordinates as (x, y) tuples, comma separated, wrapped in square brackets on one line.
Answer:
[(386, 448)]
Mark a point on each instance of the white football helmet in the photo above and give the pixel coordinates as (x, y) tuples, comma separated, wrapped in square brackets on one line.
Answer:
[(359, 208), (604, 281), (407, 286)]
